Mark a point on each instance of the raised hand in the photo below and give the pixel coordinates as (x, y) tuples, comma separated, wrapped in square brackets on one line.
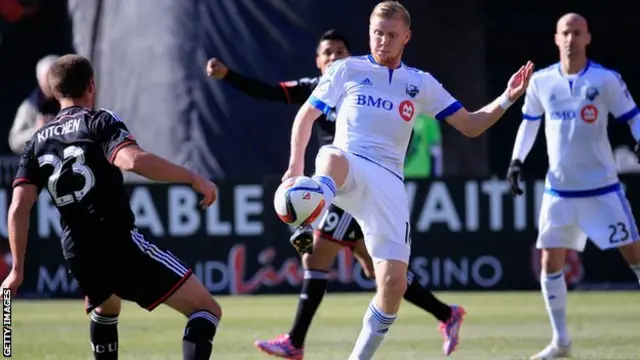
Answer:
[(519, 81)]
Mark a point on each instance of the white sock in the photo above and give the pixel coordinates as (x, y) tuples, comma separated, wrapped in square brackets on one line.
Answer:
[(636, 270), (554, 290), (375, 325), (328, 188)]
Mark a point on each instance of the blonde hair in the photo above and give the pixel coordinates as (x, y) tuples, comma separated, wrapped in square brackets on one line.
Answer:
[(391, 9)]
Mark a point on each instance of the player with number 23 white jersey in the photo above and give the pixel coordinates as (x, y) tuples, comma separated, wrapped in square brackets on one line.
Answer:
[(583, 195)]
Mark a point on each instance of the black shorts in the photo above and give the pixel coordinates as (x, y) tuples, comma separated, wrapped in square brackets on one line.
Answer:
[(133, 269), (339, 226)]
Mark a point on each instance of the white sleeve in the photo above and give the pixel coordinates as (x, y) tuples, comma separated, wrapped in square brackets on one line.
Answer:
[(330, 88), (621, 104), (532, 108), (436, 100), (526, 137)]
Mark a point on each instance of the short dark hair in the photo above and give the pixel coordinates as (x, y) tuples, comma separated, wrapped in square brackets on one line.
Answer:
[(70, 76), (334, 35)]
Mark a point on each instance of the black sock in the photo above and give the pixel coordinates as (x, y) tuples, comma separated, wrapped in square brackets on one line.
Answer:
[(425, 299), (197, 341), (313, 289), (103, 333)]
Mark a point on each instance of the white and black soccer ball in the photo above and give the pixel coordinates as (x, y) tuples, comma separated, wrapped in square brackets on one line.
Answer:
[(299, 201)]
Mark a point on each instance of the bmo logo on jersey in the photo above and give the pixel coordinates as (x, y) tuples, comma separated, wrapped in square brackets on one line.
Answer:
[(370, 101), (563, 115)]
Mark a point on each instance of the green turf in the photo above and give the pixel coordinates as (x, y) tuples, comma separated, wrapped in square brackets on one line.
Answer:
[(605, 326)]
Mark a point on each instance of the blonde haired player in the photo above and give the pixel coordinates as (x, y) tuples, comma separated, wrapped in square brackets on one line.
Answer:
[(583, 196), (377, 98)]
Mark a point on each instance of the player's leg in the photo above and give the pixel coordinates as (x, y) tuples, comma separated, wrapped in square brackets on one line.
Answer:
[(94, 280), (622, 228), (103, 330), (384, 216), (331, 236), (361, 254), (382, 311), (450, 317), (152, 276), (332, 169), (558, 231)]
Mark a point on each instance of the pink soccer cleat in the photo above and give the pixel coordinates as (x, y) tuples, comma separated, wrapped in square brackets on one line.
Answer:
[(281, 347), (451, 329)]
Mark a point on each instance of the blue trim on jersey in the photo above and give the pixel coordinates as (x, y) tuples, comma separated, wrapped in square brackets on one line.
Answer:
[(384, 167), (584, 193), (586, 67), (629, 214), (319, 104), (449, 110), (531, 117), (373, 61), (628, 115)]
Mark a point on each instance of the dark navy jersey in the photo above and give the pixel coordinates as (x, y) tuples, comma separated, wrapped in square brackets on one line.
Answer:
[(72, 157), (298, 92), (290, 92)]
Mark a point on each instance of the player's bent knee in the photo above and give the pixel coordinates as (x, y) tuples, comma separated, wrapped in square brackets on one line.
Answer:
[(391, 277), (191, 297), (111, 306), (553, 259)]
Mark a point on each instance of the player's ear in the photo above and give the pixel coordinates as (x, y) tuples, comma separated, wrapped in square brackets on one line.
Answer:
[(588, 42), (318, 65), (407, 36), (92, 86)]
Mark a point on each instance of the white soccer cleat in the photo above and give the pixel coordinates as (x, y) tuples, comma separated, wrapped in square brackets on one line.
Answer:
[(553, 351)]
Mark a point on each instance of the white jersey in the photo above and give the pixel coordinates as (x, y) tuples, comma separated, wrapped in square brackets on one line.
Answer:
[(377, 107), (576, 110)]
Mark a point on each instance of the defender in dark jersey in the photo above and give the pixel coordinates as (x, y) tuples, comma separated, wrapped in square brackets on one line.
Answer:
[(78, 157), (336, 228)]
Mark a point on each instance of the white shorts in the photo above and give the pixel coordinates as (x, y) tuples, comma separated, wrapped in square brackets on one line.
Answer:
[(378, 200), (606, 220)]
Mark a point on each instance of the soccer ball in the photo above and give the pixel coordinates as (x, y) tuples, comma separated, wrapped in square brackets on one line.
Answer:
[(299, 201)]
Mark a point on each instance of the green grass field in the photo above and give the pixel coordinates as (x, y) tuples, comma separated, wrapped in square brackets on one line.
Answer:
[(605, 326)]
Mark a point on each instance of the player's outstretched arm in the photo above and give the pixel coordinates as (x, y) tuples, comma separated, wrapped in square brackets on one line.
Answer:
[(300, 135), (285, 92), (23, 199), (473, 124), (133, 158)]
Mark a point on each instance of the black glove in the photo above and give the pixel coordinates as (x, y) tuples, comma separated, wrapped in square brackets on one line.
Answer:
[(514, 175), (636, 150)]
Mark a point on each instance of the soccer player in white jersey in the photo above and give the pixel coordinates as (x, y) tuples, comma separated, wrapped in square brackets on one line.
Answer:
[(583, 196), (378, 98)]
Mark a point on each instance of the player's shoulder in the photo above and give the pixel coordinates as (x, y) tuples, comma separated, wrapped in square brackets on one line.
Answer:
[(598, 70), (354, 62), (546, 73), (106, 115)]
